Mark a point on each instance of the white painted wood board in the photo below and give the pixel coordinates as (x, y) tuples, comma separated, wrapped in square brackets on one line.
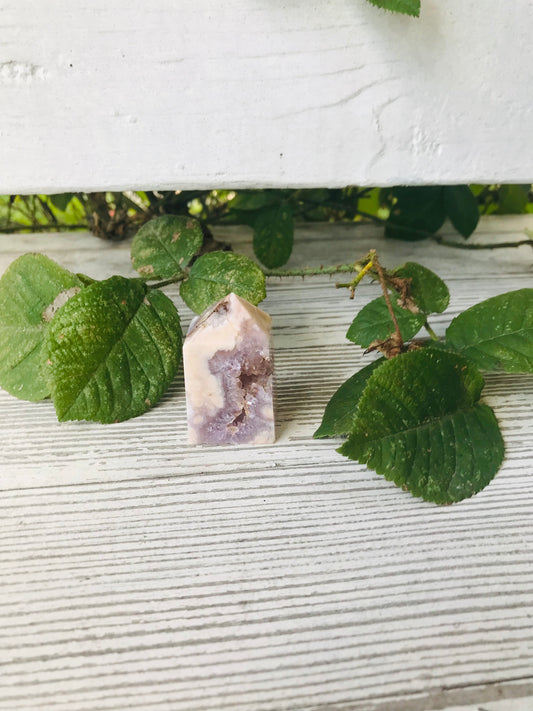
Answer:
[(173, 94), (140, 572)]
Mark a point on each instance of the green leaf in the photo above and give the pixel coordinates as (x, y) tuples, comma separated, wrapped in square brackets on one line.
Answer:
[(427, 290), (420, 425), (215, 275), (163, 247), (339, 415), (72, 209), (417, 213), (61, 200), (85, 280), (274, 236), (407, 7), (254, 199), (314, 195), (112, 351), (371, 202), (513, 199), (374, 322), (27, 289), (497, 333), (462, 208)]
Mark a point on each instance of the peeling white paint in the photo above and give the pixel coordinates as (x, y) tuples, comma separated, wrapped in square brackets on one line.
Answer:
[(424, 144), (13, 72)]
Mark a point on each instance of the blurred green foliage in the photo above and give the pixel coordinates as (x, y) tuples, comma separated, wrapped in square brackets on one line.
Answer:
[(407, 213)]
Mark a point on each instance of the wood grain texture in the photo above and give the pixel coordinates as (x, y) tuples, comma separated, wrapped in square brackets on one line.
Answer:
[(140, 572), (174, 94)]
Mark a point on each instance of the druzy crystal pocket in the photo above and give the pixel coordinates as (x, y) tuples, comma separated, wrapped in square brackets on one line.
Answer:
[(228, 375)]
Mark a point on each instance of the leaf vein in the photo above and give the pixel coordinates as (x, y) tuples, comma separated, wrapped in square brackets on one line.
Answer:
[(116, 341), (157, 350)]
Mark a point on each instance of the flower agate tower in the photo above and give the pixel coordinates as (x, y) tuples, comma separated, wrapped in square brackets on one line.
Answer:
[(228, 375)]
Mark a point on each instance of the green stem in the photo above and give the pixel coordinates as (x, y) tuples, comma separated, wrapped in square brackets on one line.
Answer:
[(431, 332), (306, 271), (363, 269), (173, 280), (42, 228), (312, 271)]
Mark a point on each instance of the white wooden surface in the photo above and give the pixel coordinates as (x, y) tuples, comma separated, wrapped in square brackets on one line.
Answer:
[(139, 572), (178, 94)]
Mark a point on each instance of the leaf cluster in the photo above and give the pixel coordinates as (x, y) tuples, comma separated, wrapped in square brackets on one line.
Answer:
[(107, 350), (416, 418), (418, 212), (409, 213)]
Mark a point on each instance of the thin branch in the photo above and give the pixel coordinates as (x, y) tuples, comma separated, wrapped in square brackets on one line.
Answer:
[(174, 280), (495, 245), (48, 212), (127, 202), (312, 271), (43, 228), (352, 285), (386, 296), (306, 271)]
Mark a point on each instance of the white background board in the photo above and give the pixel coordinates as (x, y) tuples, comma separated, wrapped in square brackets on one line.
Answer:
[(175, 94)]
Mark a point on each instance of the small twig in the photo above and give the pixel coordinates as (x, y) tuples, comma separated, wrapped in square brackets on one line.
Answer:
[(353, 284), (386, 296), (174, 280), (10, 202), (43, 228), (127, 202), (495, 245), (48, 212)]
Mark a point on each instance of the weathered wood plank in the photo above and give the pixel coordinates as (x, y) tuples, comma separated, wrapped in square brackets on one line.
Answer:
[(141, 572), (177, 94)]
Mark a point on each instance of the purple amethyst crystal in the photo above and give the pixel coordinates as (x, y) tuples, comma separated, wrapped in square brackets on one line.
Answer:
[(228, 375)]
